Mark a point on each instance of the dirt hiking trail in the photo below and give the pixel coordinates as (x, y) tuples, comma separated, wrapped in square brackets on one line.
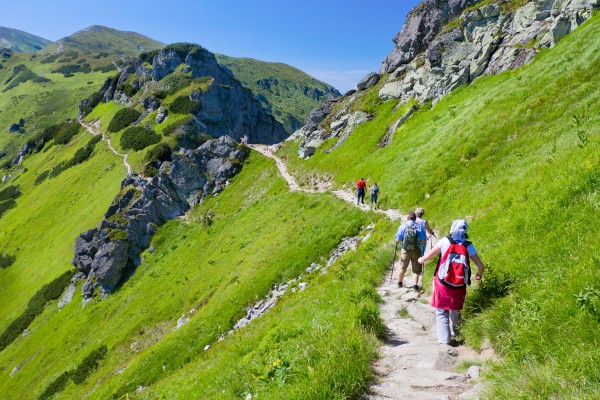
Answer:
[(412, 364), (94, 129)]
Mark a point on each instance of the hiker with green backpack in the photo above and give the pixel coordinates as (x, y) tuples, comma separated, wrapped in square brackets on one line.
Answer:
[(412, 237), (452, 275)]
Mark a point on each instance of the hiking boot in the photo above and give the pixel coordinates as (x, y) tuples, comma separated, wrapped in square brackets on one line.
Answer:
[(399, 283), (416, 287)]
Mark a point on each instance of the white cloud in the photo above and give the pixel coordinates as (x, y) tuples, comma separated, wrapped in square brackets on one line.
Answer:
[(341, 80)]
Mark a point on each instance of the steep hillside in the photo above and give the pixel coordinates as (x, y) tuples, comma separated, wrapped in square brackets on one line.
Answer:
[(100, 39), (517, 154), (289, 93), (38, 90), (20, 41), (183, 91)]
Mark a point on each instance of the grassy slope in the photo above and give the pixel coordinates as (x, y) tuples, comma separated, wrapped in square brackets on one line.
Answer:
[(21, 41), (288, 97), (47, 103), (518, 153), (261, 235), (49, 216)]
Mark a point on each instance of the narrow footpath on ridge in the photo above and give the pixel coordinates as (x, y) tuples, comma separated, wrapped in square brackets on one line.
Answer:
[(94, 129), (412, 364)]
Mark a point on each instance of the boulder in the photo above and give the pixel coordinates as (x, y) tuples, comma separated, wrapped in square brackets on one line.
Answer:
[(368, 81)]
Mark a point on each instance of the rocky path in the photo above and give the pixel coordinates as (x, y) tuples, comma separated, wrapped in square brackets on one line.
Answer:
[(412, 364), (94, 129), (346, 195)]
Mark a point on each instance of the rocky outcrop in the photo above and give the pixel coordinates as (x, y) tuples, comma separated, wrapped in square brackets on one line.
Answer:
[(368, 81), (104, 254), (484, 40), (422, 25), (225, 106), (445, 44)]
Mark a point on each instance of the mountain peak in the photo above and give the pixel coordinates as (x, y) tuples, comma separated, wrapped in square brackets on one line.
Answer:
[(102, 39), (20, 41)]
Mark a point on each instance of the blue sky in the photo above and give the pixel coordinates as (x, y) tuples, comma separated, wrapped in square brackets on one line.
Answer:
[(336, 41)]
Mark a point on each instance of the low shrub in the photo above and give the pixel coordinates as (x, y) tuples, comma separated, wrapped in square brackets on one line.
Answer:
[(35, 306), (154, 157), (148, 56), (42, 177), (50, 59), (184, 105), (122, 119), (11, 192), (127, 89), (138, 138), (78, 375), (65, 132), (106, 68), (6, 260)]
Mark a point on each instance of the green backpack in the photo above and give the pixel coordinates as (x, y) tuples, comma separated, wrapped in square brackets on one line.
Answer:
[(411, 239)]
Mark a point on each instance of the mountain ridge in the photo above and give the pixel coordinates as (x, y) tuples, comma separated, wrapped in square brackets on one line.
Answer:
[(20, 41)]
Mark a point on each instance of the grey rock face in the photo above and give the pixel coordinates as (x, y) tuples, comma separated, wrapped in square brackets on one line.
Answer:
[(103, 254), (488, 39), (368, 81), (226, 107), (422, 25)]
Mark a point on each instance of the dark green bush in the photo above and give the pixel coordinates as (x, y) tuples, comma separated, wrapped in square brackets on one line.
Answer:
[(7, 205), (87, 105), (88, 365), (21, 74), (184, 105), (148, 56), (69, 69), (138, 138), (161, 152), (126, 88), (35, 306), (10, 192), (106, 68), (182, 49), (56, 386), (6, 260), (42, 177), (66, 132), (50, 59), (41, 79), (123, 118), (170, 129)]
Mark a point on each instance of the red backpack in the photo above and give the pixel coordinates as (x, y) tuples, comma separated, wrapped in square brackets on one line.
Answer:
[(454, 266)]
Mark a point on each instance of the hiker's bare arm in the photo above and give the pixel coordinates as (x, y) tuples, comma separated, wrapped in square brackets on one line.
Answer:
[(430, 254), (428, 229), (480, 266)]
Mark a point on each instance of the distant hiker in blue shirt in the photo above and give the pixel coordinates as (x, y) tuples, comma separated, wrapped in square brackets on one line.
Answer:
[(374, 195), (412, 236), (424, 226)]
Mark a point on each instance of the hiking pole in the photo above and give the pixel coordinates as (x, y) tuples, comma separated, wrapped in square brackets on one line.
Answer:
[(394, 261)]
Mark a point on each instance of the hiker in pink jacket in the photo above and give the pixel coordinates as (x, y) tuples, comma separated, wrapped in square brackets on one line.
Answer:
[(452, 275)]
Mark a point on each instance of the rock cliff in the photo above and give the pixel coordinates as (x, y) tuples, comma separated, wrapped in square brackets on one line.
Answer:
[(103, 254), (224, 106), (446, 44)]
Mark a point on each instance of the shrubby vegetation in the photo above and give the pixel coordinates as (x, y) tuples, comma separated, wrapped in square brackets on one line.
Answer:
[(122, 119), (35, 306), (8, 198), (81, 155), (127, 89), (138, 138), (77, 375), (21, 74), (70, 69), (6, 260), (184, 105), (155, 156)]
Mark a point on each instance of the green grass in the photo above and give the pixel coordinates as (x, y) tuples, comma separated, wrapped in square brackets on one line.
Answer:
[(260, 235), (292, 93), (518, 155), (42, 104)]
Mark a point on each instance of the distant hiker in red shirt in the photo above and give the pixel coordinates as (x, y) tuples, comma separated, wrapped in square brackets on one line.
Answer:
[(360, 189)]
